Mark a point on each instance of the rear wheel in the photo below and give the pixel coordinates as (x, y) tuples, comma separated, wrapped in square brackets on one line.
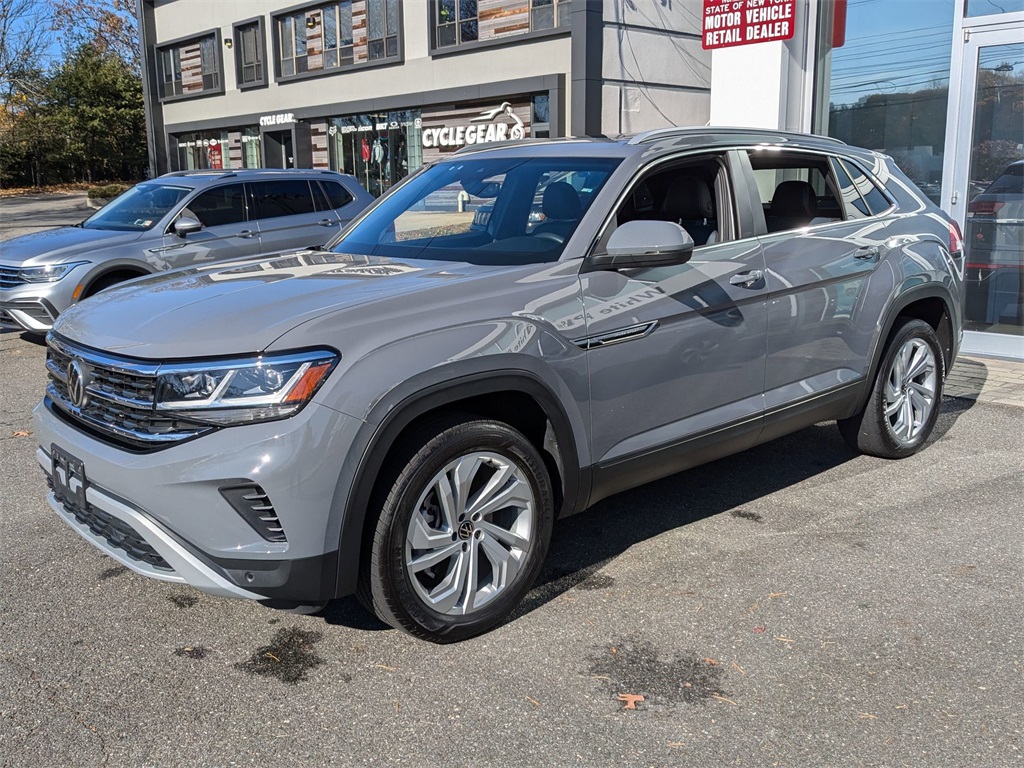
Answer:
[(463, 530), (904, 403)]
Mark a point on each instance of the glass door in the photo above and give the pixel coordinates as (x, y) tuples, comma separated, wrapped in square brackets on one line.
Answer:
[(989, 182)]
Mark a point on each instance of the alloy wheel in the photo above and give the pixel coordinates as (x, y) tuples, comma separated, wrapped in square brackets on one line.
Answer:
[(910, 390)]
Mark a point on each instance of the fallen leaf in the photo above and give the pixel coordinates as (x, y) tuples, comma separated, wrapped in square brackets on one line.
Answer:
[(777, 594), (631, 699), (712, 662), (614, 649), (759, 630), (21, 433)]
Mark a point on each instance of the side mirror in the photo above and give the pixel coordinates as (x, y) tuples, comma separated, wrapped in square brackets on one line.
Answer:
[(186, 225), (646, 244)]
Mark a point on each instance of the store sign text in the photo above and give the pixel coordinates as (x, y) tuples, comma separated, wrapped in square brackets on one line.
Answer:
[(741, 22), (488, 130), (284, 118), (459, 136)]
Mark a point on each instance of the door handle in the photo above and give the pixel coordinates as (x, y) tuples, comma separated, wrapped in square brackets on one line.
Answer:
[(328, 222), (867, 253), (747, 278), (246, 233)]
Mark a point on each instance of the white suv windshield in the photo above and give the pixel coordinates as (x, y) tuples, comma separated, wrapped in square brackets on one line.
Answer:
[(483, 211), (138, 209)]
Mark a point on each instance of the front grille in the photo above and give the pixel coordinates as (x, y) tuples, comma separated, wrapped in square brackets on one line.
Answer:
[(118, 534), (120, 406), (10, 277)]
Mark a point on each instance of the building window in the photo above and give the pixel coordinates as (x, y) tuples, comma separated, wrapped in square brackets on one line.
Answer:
[(336, 35), (190, 69), (878, 92), (460, 21), (249, 39), (218, 149)]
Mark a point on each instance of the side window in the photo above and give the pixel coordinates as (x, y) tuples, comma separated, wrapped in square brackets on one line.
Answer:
[(796, 191), (336, 194), (287, 197), (695, 195), (876, 201), (218, 206), (853, 203)]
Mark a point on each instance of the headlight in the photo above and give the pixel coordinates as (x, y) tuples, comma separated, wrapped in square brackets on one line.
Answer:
[(50, 273), (243, 391)]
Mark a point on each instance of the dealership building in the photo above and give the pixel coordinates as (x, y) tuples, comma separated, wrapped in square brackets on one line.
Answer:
[(377, 88)]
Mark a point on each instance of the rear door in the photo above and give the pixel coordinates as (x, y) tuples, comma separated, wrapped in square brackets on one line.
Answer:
[(339, 201), (827, 279), (227, 232), (288, 215), (677, 353)]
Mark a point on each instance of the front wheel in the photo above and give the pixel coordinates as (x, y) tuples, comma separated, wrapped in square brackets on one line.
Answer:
[(904, 403), (463, 530)]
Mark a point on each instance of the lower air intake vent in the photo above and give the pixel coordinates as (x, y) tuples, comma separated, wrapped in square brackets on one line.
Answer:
[(252, 503)]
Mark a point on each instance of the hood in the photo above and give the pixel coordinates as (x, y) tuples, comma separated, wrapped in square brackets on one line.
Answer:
[(242, 308), (55, 246)]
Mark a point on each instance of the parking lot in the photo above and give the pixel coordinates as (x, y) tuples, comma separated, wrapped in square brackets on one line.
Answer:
[(792, 605)]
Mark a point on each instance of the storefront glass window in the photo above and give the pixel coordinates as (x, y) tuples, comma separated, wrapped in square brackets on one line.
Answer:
[(885, 85), (219, 150), (379, 149), (992, 7)]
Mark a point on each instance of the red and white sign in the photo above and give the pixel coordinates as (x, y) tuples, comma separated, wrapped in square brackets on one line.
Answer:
[(216, 156), (743, 22)]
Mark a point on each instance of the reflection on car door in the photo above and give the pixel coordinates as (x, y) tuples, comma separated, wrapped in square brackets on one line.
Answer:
[(822, 313), (288, 217), (226, 232), (676, 356)]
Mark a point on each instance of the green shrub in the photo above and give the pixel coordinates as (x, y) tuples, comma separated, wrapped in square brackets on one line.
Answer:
[(108, 191)]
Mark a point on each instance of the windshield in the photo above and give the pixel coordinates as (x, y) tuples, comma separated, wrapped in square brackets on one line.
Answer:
[(139, 208), (483, 211)]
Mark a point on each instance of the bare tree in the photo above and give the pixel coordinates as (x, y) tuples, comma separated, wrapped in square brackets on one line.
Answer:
[(110, 25), (23, 42)]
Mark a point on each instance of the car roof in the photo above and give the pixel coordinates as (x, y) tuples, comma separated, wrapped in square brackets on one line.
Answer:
[(695, 137), (199, 178)]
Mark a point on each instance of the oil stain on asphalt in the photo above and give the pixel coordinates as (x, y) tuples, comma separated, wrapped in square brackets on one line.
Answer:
[(114, 572), (183, 601), (289, 656), (743, 514), (196, 652), (635, 667)]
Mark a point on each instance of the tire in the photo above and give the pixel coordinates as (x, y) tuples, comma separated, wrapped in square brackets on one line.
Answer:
[(102, 284), (446, 573), (901, 411)]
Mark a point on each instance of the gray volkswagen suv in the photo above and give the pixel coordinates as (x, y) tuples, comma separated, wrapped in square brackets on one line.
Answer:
[(176, 220), (403, 414)]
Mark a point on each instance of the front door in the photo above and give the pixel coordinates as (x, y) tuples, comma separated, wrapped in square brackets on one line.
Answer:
[(677, 353), (227, 232), (278, 151), (988, 190)]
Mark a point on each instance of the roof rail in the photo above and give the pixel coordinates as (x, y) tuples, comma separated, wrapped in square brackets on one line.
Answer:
[(469, 148), (218, 174), (666, 133)]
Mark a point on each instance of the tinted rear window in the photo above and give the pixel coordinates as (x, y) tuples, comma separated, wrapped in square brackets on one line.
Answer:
[(1011, 181), (337, 194), (218, 206), (287, 197)]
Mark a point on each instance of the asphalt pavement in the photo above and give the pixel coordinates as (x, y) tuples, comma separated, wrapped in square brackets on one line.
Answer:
[(794, 605)]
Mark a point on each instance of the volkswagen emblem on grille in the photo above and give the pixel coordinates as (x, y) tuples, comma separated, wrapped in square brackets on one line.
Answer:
[(76, 385)]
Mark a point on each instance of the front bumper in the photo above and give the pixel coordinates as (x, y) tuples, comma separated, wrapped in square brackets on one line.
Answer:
[(34, 307), (162, 513)]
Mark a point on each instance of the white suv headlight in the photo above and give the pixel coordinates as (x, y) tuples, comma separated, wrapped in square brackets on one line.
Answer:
[(50, 273), (243, 391)]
